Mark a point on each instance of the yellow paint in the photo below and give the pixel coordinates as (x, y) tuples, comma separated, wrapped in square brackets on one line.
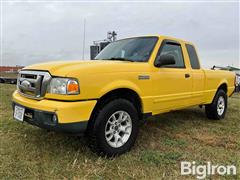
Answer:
[(67, 112), (166, 90)]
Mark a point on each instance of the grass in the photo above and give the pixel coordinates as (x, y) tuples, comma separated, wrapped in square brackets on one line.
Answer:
[(164, 141), (9, 75)]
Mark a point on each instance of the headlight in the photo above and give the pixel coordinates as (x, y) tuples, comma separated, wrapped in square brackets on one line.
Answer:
[(63, 86)]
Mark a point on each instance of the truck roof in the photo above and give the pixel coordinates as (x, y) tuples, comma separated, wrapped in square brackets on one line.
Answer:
[(162, 36)]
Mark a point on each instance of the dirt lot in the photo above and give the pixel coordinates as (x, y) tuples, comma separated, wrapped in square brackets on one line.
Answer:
[(28, 152)]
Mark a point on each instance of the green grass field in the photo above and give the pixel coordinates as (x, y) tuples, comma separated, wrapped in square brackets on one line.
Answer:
[(28, 152), (9, 75)]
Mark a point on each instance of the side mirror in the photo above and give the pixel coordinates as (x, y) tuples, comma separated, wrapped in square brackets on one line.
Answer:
[(164, 60)]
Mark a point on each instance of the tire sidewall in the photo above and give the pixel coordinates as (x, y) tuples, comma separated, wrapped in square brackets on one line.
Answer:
[(102, 118), (220, 93)]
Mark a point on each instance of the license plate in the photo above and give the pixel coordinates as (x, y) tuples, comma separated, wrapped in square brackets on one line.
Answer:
[(19, 113)]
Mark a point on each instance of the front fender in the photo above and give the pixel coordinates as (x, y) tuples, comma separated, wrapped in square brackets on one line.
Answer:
[(118, 85)]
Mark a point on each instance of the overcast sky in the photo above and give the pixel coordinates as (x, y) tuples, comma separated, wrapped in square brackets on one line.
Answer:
[(42, 31)]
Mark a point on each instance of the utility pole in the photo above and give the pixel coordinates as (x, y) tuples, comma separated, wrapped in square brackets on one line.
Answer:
[(84, 34)]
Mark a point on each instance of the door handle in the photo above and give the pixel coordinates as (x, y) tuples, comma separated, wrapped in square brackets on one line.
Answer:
[(187, 75)]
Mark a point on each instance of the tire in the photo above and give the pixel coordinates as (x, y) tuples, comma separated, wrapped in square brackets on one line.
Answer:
[(217, 109), (104, 130)]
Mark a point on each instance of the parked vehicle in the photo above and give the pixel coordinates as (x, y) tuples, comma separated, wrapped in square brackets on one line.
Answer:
[(1, 80), (129, 80), (8, 80), (237, 83)]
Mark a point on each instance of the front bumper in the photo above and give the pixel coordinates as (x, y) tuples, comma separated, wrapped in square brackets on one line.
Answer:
[(72, 117)]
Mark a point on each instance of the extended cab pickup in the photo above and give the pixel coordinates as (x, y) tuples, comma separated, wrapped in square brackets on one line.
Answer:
[(107, 97)]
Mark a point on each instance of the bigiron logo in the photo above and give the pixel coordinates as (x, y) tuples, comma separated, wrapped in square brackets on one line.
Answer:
[(202, 171)]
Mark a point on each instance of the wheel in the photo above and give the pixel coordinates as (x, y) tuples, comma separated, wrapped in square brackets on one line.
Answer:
[(217, 109), (114, 129)]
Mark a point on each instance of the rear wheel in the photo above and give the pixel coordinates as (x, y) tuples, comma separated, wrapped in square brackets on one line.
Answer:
[(114, 128), (217, 109)]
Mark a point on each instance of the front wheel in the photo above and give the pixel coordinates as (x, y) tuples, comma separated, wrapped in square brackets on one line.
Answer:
[(114, 129), (217, 109)]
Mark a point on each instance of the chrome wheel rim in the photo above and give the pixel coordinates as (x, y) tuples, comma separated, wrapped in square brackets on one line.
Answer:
[(220, 105), (118, 129)]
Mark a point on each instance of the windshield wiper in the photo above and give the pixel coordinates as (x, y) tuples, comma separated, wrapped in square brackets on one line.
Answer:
[(121, 59)]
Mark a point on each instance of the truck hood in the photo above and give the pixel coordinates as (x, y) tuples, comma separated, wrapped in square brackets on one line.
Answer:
[(71, 68)]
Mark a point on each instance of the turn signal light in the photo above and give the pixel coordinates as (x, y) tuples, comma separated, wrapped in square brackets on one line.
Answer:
[(72, 87)]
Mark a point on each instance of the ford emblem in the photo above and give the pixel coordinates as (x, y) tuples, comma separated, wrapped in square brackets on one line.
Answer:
[(26, 84)]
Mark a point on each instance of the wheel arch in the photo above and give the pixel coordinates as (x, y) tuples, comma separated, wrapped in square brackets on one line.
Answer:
[(132, 96), (223, 86), (125, 93)]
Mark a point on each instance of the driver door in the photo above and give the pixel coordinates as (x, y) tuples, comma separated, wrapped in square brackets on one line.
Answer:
[(172, 84)]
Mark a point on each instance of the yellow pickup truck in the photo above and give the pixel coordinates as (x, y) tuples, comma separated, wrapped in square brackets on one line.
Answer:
[(107, 97)]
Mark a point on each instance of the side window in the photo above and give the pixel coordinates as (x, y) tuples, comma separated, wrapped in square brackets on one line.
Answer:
[(174, 50), (193, 57)]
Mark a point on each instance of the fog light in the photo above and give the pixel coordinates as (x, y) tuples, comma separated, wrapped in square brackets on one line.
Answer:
[(54, 119)]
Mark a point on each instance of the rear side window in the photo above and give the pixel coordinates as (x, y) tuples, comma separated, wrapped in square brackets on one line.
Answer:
[(193, 57), (176, 51)]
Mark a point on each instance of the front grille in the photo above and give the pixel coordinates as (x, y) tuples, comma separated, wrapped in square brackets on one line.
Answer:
[(33, 84)]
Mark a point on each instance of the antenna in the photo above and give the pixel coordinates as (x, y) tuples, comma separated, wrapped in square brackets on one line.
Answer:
[(84, 26)]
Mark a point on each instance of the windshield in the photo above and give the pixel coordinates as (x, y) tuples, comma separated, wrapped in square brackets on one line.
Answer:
[(132, 49)]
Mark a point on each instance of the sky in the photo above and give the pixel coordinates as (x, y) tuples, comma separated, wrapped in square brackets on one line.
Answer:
[(40, 31)]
